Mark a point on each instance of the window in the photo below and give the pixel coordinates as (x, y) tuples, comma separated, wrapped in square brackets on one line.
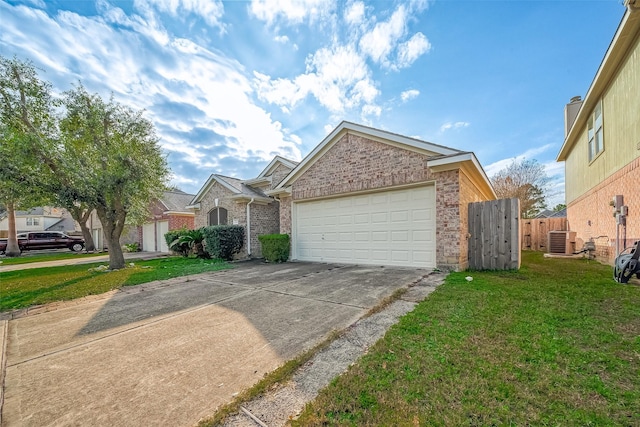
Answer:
[(594, 132), (33, 221), (218, 216)]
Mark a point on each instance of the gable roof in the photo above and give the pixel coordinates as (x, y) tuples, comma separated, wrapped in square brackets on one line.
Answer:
[(626, 33), (442, 158), (240, 190), (277, 161), (370, 133), (176, 201)]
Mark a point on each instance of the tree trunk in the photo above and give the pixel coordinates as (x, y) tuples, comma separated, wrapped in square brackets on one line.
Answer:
[(82, 216), (13, 250), (113, 224)]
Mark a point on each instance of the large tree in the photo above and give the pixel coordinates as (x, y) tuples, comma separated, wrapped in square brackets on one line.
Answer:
[(114, 160), (525, 180), (27, 135)]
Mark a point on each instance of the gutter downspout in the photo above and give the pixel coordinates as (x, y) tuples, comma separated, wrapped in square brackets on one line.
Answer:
[(249, 227)]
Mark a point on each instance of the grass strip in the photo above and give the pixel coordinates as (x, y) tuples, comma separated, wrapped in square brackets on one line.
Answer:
[(556, 343), (270, 380), (23, 288), (28, 258)]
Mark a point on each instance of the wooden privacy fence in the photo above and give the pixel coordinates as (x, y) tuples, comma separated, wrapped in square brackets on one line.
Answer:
[(535, 232), (494, 241)]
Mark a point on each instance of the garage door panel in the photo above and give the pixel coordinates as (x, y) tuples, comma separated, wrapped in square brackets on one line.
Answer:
[(387, 228)]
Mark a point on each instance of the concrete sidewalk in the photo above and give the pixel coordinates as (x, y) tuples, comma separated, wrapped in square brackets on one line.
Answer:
[(171, 352), (83, 260)]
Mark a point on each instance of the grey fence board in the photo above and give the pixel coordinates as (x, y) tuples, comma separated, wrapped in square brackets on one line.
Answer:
[(494, 228)]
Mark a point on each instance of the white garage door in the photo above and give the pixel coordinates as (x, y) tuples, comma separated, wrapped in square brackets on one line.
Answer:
[(394, 227), (162, 228), (149, 237)]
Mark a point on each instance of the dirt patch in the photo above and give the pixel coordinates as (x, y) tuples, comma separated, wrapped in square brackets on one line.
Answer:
[(284, 402)]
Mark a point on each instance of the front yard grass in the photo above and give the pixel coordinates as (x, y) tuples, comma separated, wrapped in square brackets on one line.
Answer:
[(24, 288), (30, 257), (556, 343)]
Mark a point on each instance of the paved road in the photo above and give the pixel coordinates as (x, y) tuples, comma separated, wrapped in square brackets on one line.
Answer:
[(170, 353)]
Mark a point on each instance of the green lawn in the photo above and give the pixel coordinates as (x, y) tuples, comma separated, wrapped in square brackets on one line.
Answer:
[(29, 257), (23, 288), (557, 343)]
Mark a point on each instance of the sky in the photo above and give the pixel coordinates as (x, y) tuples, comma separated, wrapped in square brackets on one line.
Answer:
[(230, 84)]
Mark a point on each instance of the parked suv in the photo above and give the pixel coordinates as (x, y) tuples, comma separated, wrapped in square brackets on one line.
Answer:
[(45, 240)]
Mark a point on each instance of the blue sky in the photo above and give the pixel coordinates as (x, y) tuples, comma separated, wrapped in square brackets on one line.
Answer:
[(230, 84)]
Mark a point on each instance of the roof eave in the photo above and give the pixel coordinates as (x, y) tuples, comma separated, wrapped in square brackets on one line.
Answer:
[(624, 36), (469, 164)]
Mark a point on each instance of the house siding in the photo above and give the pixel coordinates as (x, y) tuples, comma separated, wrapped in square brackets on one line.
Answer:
[(355, 163), (590, 186), (621, 127)]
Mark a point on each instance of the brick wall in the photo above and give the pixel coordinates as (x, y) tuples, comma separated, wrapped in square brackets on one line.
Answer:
[(264, 220), (234, 209), (591, 216), (177, 222), (285, 215), (355, 163), (278, 175)]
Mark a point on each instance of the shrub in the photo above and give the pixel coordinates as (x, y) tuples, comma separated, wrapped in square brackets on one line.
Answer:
[(275, 247), (190, 242), (223, 241), (172, 236), (131, 247)]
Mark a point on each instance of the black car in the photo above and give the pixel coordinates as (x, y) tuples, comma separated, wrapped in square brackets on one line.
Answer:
[(45, 240)]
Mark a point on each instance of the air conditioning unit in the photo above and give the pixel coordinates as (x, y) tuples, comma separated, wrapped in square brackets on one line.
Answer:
[(562, 242)]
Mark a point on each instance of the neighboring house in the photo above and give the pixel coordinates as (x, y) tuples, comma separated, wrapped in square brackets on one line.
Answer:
[(368, 196), (44, 218), (228, 201), (166, 214), (601, 149)]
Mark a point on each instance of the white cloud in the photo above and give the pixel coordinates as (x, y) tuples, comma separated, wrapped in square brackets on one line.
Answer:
[(211, 11), (382, 39), (354, 13), (281, 39), (411, 50), (371, 110), (453, 125), (337, 77), (291, 11), (409, 94)]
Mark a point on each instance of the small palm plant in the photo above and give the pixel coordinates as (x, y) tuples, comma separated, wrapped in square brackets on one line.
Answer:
[(190, 242)]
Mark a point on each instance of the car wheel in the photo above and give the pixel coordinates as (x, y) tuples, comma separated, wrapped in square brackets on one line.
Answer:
[(77, 247)]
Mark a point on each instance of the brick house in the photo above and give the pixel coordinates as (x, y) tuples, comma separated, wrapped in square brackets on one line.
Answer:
[(363, 196), (369, 196), (601, 149), (226, 200), (165, 214)]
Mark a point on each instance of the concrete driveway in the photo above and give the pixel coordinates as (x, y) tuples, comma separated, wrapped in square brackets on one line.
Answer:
[(171, 352)]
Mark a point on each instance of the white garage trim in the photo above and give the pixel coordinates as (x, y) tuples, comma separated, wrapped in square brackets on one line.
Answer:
[(392, 227)]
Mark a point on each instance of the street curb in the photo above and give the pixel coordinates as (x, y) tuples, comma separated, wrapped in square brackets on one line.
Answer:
[(4, 332)]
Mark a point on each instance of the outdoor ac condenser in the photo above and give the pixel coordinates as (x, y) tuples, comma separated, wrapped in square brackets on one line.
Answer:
[(562, 242)]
